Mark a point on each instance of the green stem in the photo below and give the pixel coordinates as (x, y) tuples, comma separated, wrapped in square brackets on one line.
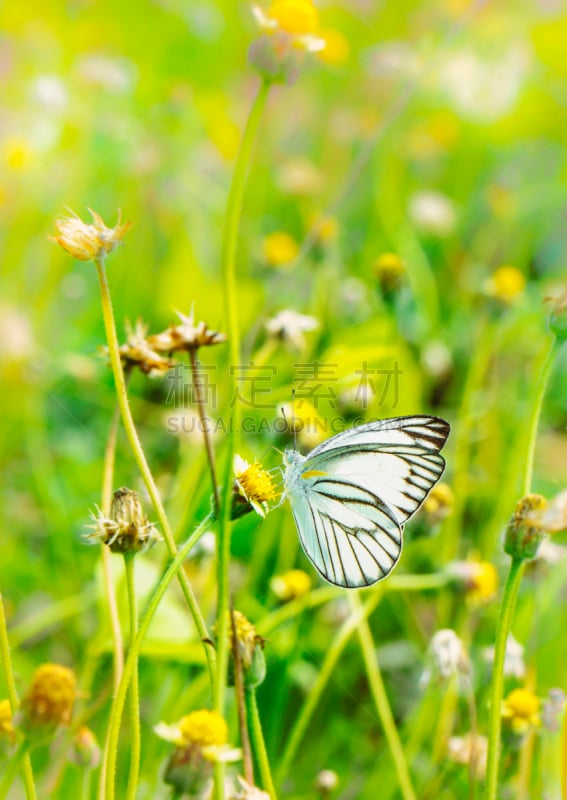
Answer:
[(533, 424), (512, 588), (258, 743), (325, 673), (132, 658), (140, 458), (380, 698), (497, 687), (201, 405), (14, 701), (230, 240), (135, 739), (107, 481), (12, 769)]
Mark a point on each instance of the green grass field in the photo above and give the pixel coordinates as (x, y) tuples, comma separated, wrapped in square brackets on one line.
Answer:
[(340, 212)]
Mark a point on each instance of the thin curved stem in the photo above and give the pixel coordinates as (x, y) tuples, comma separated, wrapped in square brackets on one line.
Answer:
[(378, 691), (14, 700), (507, 607), (201, 406), (325, 673), (140, 457), (230, 240), (135, 737), (258, 743), (133, 652), (533, 424)]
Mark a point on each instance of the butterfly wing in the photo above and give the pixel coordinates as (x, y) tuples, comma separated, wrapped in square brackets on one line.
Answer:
[(349, 535), (352, 495), (397, 460)]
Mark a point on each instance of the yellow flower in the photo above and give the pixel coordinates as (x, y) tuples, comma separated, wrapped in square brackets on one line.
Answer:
[(325, 229), (479, 578), (439, 502), (203, 727), (254, 488), (17, 153), (7, 733), (279, 249), (389, 269), (305, 421), (506, 284), (298, 17), (49, 701), (87, 242), (336, 49), (521, 710), (291, 584)]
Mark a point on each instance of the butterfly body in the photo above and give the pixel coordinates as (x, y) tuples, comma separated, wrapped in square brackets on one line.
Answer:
[(352, 495)]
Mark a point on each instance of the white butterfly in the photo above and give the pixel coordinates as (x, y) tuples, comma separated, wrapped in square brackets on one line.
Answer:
[(352, 495)]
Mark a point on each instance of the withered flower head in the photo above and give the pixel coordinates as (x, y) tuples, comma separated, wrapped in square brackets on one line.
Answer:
[(126, 529), (468, 750), (49, 701), (87, 242), (137, 352), (186, 336), (526, 527), (291, 585)]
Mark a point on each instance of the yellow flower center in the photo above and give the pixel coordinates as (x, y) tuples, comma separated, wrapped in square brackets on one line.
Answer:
[(507, 284), (204, 728), (295, 16), (279, 248), (257, 484)]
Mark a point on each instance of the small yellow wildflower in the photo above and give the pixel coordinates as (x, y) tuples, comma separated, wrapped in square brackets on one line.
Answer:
[(389, 270), (7, 733), (200, 739), (298, 17), (479, 579), (49, 701), (325, 229), (305, 421), (336, 49), (87, 242), (506, 284), (439, 502), (279, 249), (17, 153), (291, 584), (520, 709), (254, 488)]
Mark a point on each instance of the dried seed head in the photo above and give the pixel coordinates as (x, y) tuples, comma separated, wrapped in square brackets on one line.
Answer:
[(87, 242), (126, 529), (137, 352), (186, 336)]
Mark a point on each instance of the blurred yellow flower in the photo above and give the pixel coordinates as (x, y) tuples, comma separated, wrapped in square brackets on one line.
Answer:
[(325, 228), (17, 153), (305, 421), (336, 49), (291, 584), (6, 727), (203, 727), (389, 269), (506, 284), (87, 242), (279, 249), (292, 16), (520, 709), (479, 579), (439, 502), (49, 700)]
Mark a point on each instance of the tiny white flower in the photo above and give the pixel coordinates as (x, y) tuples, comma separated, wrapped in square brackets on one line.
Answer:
[(514, 666), (288, 326), (432, 212), (447, 657)]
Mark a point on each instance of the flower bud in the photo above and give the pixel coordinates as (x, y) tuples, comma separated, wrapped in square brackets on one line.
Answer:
[(248, 646), (85, 750), (525, 531), (126, 529)]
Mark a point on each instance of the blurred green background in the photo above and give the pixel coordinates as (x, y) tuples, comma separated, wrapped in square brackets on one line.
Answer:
[(439, 136)]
